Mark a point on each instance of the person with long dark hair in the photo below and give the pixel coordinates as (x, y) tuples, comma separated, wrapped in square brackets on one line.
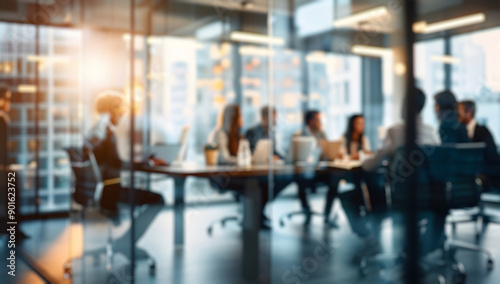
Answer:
[(354, 139), (228, 136)]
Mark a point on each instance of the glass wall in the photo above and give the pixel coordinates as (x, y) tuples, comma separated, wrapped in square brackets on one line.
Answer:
[(59, 110), (193, 78), (430, 73)]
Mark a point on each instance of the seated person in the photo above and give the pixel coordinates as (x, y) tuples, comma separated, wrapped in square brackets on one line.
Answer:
[(263, 130), (354, 139), (450, 128), (480, 133), (353, 200), (313, 128), (101, 141), (228, 136), (227, 139)]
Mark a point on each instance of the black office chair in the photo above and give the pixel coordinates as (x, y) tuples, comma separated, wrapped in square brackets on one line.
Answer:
[(306, 187), (86, 195), (481, 216), (447, 179), (237, 218)]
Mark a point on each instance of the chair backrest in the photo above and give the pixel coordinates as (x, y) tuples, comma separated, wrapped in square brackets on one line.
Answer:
[(88, 182), (446, 175)]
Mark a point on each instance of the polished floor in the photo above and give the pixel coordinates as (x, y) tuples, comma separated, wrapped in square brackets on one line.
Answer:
[(289, 254)]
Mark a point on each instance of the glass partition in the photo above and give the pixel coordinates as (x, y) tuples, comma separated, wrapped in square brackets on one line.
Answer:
[(306, 141), (331, 224)]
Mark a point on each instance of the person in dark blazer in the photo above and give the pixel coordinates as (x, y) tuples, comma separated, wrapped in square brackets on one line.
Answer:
[(101, 140), (480, 133), (476, 132), (263, 130), (450, 128)]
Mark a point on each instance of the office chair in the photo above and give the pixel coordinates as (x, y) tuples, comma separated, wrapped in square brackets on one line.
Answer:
[(447, 179), (306, 187), (231, 218), (237, 218), (87, 191), (490, 199)]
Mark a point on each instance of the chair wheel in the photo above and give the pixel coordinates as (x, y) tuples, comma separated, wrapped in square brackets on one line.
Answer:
[(282, 224), (490, 264), (67, 270), (209, 231), (459, 278)]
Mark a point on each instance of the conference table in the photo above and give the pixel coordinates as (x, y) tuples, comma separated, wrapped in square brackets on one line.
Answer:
[(250, 178)]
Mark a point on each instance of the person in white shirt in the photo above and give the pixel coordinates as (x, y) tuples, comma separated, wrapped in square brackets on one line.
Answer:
[(354, 139), (353, 200)]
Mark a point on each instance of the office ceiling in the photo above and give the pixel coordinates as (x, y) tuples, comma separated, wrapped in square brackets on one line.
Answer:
[(183, 17)]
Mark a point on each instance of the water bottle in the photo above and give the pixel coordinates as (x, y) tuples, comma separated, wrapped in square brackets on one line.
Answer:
[(248, 154), (241, 153), (244, 155)]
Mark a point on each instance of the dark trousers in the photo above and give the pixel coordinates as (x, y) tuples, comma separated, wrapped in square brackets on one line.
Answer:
[(279, 183), (115, 193), (354, 201), (306, 183)]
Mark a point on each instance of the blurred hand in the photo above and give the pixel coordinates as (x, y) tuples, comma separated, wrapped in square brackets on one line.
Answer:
[(355, 156), (157, 162), (276, 158)]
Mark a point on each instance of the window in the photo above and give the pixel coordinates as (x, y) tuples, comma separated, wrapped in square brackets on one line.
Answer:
[(429, 74), (476, 75)]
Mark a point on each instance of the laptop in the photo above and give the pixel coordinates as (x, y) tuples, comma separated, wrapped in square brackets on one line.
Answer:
[(330, 149), (261, 152), (166, 152), (303, 149)]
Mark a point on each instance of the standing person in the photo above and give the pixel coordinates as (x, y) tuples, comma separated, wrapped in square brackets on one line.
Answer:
[(228, 136), (354, 140), (450, 128)]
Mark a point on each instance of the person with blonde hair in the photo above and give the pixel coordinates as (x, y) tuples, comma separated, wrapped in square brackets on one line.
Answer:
[(101, 141)]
